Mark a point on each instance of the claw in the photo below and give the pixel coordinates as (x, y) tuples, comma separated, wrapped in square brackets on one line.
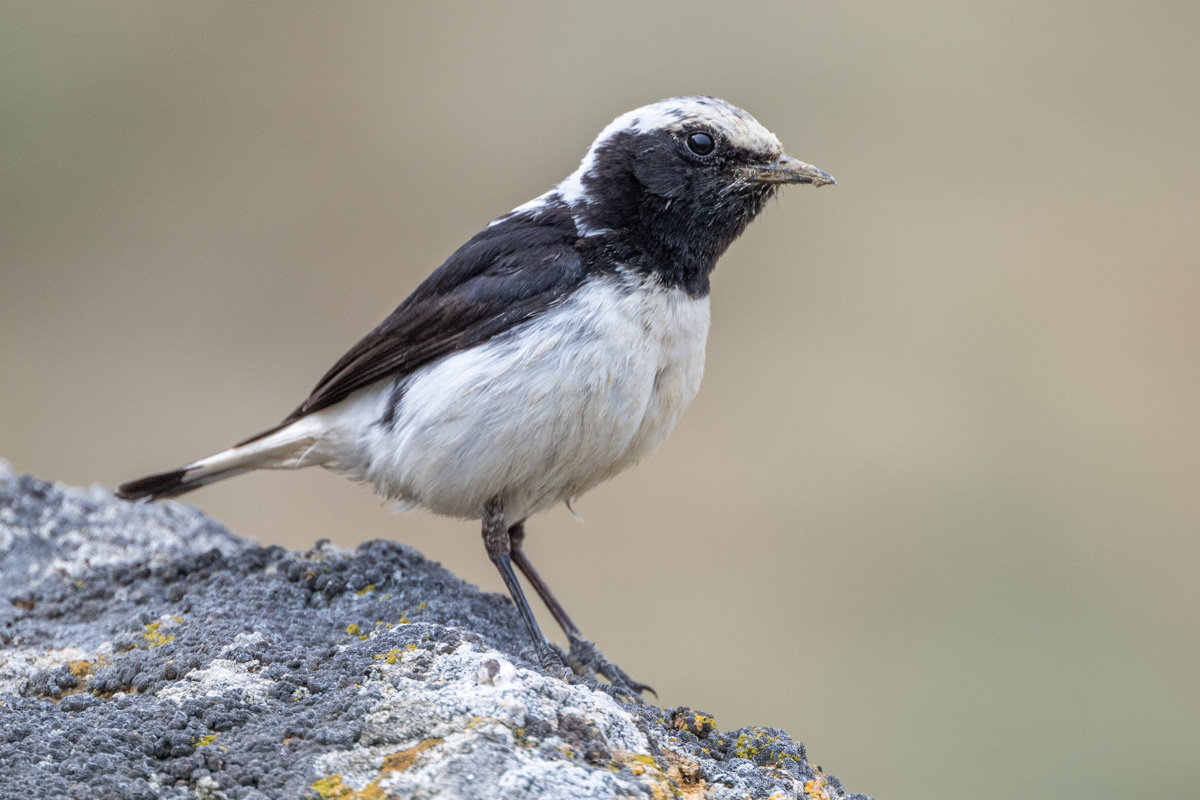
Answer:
[(585, 659), (578, 676), (618, 693)]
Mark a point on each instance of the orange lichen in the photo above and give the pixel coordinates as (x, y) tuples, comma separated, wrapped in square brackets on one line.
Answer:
[(332, 787), (817, 788), (398, 762)]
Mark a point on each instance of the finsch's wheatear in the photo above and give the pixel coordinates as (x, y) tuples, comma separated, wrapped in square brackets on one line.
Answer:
[(553, 350)]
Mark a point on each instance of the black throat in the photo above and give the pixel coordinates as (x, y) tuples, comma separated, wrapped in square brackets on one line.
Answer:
[(647, 211)]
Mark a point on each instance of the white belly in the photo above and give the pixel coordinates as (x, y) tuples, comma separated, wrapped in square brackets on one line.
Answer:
[(536, 417)]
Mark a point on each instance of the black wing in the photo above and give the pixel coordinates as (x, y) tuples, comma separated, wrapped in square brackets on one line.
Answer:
[(506, 274)]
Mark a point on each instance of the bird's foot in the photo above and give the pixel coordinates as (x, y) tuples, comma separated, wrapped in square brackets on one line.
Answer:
[(585, 677), (581, 666), (552, 661), (586, 661)]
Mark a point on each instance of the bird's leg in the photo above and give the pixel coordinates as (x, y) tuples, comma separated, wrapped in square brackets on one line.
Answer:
[(496, 539), (584, 654)]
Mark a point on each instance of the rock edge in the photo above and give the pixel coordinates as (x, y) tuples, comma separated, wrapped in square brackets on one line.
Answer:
[(147, 652)]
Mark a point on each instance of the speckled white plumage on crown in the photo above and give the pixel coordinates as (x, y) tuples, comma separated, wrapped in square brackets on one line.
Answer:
[(674, 114)]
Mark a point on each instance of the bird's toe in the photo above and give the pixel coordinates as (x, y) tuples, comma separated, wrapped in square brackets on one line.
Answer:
[(586, 659)]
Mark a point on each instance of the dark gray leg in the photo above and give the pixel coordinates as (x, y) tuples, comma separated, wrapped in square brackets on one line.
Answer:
[(584, 654), (496, 539)]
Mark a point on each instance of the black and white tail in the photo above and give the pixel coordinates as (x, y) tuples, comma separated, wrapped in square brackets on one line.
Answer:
[(282, 448)]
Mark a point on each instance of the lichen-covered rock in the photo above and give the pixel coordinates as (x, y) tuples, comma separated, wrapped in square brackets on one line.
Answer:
[(147, 652)]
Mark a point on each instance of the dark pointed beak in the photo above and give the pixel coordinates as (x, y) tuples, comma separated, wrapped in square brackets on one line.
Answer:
[(790, 170)]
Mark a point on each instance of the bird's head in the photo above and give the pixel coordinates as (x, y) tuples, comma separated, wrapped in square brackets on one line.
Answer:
[(677, 181)]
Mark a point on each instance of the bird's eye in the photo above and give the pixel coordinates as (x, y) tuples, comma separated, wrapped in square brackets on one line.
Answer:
[(701, 143)]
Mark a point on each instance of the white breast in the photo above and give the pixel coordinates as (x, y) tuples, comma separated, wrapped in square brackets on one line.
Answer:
[(537, 416)]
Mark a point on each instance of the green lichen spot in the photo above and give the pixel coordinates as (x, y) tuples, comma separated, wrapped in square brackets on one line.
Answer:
[(353, 629)]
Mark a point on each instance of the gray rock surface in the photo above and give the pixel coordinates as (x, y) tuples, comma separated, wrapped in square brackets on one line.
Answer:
[(146, 652)]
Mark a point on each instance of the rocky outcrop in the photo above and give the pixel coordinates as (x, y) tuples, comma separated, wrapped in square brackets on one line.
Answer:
[(147, 652)]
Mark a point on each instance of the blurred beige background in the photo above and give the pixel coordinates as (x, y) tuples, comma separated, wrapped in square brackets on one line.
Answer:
[(935, 511)]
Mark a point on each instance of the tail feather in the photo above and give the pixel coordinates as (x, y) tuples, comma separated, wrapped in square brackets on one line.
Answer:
[(164, 484), (279, 448)]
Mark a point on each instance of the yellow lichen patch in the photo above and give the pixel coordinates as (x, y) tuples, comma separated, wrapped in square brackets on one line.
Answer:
[(353, 629), (423, 606), (389, 656), (154, 637), (82, 670), (398, 762), (404, 620), (370, 587), (746, 748), (693, 722), (207, 739), (331, 788)]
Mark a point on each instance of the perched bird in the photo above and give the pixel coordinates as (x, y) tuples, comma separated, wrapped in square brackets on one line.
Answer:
[(553, 350)]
